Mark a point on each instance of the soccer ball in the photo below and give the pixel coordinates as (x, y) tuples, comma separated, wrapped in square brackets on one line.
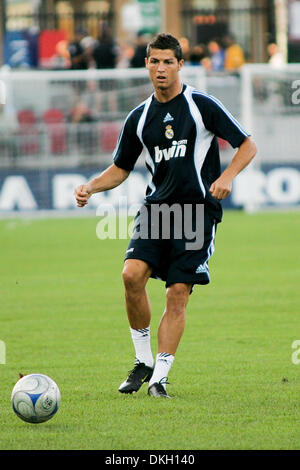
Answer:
[(35, 398)]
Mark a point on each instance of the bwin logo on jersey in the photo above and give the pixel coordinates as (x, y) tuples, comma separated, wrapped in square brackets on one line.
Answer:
[(178, 149)]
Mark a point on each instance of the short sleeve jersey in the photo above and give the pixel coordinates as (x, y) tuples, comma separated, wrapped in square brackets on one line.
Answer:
[(181, 147)]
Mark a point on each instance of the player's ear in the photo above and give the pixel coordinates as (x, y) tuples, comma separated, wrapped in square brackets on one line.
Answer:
[(180, 64)]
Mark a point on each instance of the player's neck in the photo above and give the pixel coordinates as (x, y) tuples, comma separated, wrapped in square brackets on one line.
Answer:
[(165, 95)]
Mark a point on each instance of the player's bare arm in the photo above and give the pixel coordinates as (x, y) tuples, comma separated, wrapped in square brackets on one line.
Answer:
[(221, 188), (110, 178)]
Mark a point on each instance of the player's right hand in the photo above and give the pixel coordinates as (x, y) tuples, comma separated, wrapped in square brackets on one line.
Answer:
[(82, 195)]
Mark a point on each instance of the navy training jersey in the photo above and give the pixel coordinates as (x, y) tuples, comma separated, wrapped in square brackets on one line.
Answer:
[(180, 140)]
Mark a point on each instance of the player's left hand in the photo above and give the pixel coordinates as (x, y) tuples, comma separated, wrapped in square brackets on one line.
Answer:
[(221, 188)]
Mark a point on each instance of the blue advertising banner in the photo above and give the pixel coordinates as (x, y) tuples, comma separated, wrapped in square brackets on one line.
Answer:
[(21, 49), (53, 189)]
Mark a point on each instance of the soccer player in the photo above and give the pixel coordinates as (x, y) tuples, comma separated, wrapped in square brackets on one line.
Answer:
[(177, 126)]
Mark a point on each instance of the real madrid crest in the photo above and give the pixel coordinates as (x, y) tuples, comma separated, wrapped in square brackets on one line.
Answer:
[(169, 133)]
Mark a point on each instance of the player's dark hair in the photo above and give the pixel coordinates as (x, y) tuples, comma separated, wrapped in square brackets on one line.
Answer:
[(165, 41)]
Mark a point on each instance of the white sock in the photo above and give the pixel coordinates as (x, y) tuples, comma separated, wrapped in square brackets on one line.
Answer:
[(162, 367), (142, 346)]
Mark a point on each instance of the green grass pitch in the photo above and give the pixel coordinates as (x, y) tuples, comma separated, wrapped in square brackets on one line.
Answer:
[(233, 380)]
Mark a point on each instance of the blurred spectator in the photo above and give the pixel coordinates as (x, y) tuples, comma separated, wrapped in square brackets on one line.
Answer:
[(217, 55), (63, 56), (106, 51), (92, 99), (88, 43), (78, 57), (198, 53), (80, 113), (185, 46), (126, 54), (276, 57), (234, 55), (206, 63), (79, 116), (138, 59)]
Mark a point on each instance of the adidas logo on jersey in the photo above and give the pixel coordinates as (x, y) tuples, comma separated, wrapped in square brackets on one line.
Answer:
[(202, 268), (178, 149), (168, 118)]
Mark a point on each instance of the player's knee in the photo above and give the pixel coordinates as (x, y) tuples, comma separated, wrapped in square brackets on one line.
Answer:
[(178, 290), (135, 275), (178, 295), (133, 280)]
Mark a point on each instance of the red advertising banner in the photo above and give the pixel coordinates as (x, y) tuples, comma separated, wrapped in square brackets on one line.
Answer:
[(53, 52)]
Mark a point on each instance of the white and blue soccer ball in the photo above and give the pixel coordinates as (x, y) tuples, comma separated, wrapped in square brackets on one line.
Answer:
[(35, 398)]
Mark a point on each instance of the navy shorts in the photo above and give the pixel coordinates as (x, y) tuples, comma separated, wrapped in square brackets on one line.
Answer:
[(173, 256)]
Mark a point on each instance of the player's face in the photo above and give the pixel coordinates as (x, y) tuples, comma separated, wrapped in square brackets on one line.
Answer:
[(163, 68)]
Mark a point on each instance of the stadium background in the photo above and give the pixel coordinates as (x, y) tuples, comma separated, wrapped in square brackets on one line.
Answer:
[(40, 143), (62, 300)]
